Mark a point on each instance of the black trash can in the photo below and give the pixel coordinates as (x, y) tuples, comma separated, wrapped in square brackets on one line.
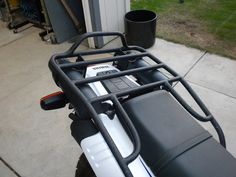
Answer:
[(140, 28)]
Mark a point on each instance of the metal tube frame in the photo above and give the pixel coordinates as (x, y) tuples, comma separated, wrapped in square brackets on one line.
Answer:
[(74, 88)]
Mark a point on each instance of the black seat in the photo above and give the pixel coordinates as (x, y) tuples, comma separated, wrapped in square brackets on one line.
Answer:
[(173, 143)]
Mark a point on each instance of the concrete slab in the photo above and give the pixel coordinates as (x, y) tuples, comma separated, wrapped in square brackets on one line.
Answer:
[(36, 142), (24, 60), (7, 36), (215, 72), (178, 57), (5, 171), (221, 106)]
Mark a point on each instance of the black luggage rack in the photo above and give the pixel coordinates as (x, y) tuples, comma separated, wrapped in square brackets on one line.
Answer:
[(72, 89)]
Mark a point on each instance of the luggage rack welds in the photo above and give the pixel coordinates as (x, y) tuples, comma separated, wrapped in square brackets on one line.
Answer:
[(72, 88)]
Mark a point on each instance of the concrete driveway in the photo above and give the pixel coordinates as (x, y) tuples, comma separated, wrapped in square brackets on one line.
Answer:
[(38, 143)]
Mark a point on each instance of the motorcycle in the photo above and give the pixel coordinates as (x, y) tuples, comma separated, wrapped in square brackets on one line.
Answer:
[(128, 118)]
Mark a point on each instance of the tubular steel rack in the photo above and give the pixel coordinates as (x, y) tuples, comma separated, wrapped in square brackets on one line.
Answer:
[(72, 88)]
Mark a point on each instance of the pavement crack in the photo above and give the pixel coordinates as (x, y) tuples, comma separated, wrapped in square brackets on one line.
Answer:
[(191, 68), (197, 84), (10, 168), (14, 40)]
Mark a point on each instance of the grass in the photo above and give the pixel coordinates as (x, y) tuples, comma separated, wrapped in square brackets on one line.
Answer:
[(205, 24)]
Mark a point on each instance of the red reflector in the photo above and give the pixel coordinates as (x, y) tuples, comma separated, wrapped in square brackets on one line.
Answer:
[(52, 95)]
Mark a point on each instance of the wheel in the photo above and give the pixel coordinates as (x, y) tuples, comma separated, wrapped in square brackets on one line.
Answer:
[(53, 39), (10, 26), (83, 168)]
